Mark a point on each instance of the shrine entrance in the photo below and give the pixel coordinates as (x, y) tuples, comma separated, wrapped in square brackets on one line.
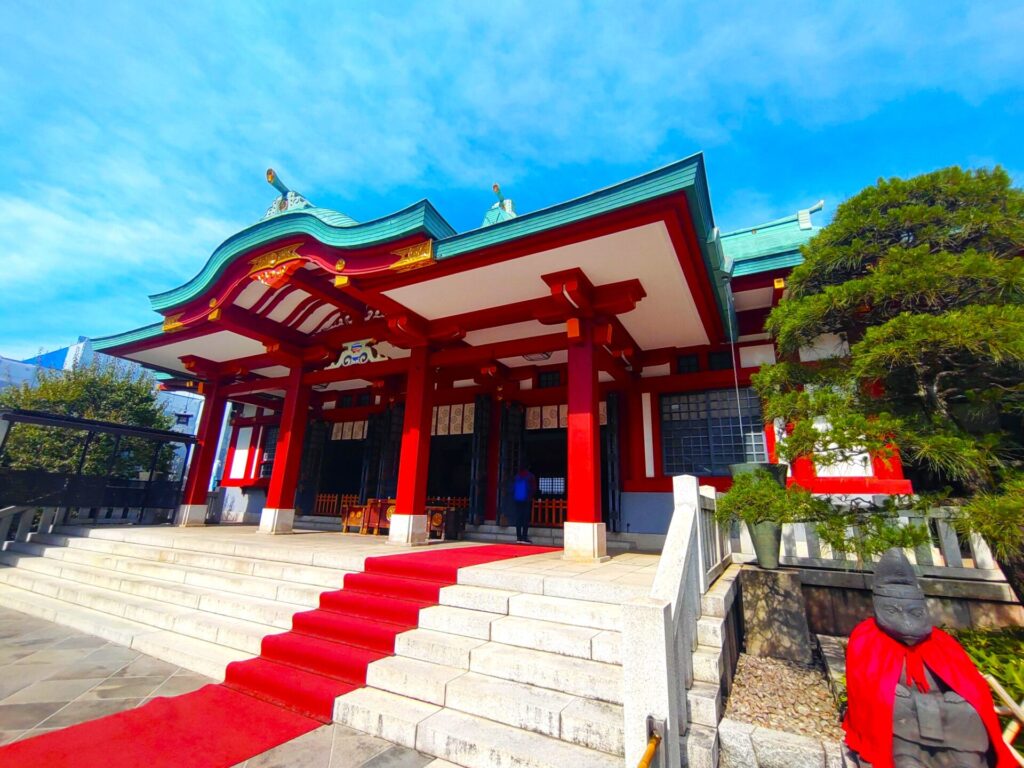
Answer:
[(450, 466)]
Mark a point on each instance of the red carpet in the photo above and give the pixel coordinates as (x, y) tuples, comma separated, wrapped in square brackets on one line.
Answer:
[(287, 691)]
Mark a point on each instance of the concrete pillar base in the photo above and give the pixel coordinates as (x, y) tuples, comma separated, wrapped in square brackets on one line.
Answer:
[(585, 542), (191, 515), (408, 530), (276, 520)]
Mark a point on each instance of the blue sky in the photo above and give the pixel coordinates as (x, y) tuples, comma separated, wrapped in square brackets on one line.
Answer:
[(134, 136)]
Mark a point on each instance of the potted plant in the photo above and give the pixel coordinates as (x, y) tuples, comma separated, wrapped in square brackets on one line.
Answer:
[(757, 499)]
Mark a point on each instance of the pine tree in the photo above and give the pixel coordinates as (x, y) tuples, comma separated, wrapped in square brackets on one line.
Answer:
[(924, 279)]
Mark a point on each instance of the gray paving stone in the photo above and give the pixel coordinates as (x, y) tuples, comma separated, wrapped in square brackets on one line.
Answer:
[(311, 750), (52, 690), (25, 716), (397, 757), (123, 688), (80, 711), (352, 748)]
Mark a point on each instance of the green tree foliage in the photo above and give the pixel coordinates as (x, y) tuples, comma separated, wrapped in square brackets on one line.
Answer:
[(95, 391), (924, 278)]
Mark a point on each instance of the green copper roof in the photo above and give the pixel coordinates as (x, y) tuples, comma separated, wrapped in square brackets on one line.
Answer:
[(329, 227), (773, 245), (145, 332), (683, 176), (686, 176)]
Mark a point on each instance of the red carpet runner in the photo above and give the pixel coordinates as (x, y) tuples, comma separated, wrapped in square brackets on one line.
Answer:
[(287, 691)]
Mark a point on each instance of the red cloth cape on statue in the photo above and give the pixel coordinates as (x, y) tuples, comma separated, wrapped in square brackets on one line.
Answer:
[(874, 662)]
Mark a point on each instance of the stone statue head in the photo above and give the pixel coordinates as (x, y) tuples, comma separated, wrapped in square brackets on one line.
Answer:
[(900, 608)]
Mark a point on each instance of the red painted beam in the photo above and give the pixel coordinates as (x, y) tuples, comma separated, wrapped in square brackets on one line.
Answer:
[(368, 371), (490, 352)]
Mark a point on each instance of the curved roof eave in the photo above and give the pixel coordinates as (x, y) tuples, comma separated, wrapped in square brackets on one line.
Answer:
[(419, 217), (119, 339)]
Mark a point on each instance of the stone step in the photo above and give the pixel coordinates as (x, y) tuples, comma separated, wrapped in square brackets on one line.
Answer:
[(475, 742), (711, 631), (116, 630), (486, 599), (436, 647), (708, 664), (580, 613), (270, 612), (199, 656), (717, 601), (235, 633), (420, 680), (700, 745), (268, 588), (564, 639), (382, 714), (592, 724), (705, 703), (171, 538), (206, 658), (579, 677), (458, 621)]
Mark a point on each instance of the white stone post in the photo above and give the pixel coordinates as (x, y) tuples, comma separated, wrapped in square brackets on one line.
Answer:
[(650, 678), (276, 520), (191, 515)]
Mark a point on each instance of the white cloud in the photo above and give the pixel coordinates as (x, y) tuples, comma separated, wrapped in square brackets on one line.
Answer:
[(133, 135)]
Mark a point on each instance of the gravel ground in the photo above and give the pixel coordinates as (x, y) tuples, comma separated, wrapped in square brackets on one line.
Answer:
[(784, 696)]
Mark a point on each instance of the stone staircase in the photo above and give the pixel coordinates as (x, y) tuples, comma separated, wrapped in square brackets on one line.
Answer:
[(198, 608), (512, 668), (497, 677), (488, 679)]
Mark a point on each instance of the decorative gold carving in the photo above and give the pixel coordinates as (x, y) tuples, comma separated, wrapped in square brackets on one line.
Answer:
[(341, 281), (273, 258), (340, 265), (214, 315), (414, 257), (173, 323), (213, 303)]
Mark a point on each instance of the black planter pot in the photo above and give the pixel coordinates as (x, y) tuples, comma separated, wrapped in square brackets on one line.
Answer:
[(767, 536)]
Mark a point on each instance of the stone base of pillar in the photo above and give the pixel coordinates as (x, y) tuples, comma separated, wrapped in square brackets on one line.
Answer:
[(408, 530), (191, 515), (276, 520), (585, 542)]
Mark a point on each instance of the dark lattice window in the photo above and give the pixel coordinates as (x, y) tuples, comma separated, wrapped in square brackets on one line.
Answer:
[(720, 361), (183, 418), (701, 432), (687, 364), (547, 379), (363, 399), (269, 451), (346, 401)]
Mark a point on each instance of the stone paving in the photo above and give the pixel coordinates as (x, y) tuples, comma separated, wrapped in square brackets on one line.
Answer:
[(52, 677)]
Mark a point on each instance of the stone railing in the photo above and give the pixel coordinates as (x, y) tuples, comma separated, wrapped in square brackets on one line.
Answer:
[(660, 631)]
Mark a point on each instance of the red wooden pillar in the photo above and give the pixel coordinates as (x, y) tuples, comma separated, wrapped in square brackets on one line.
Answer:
[(409, 522), (584, 531), (197, 484), (279, 511)]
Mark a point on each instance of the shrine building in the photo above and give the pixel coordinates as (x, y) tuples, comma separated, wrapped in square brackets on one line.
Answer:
[(606, 343)]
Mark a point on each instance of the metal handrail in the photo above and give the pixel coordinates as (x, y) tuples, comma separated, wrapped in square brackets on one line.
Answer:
[(652, 747)]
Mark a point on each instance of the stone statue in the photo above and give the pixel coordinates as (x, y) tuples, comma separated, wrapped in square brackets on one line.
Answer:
[(914, 698)]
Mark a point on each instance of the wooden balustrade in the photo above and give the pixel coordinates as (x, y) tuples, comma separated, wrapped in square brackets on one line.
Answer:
[(549, 512)]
